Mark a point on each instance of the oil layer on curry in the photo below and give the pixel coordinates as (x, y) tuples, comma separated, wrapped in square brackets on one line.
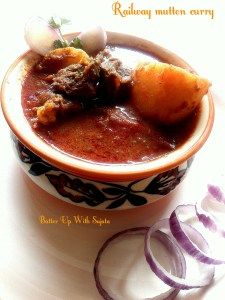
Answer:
[(99, 109)]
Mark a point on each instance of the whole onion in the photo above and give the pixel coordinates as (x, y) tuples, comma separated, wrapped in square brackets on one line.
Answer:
[(93, 40), (40, 36)]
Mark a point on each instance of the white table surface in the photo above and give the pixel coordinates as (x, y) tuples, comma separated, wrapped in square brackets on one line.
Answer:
[(55, 262)]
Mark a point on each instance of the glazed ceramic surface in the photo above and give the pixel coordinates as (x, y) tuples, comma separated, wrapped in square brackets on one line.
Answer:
[(96, 194), (11, 103), (52, 262), (96, 185)]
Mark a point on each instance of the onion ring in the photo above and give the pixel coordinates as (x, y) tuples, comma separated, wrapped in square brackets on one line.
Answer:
[(216, 192), (191, 240), (179, 261), (171, 280), (217, 200)]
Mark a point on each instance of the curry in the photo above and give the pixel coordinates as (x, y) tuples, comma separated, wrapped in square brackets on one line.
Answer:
[(96, 120)]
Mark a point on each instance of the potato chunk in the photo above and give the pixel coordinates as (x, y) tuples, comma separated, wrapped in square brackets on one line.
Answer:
[(63, 57), (47, 113), (52, 105), (166, 93)]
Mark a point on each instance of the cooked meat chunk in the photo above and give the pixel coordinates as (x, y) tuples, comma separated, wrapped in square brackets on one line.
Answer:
[(80, 81), (113, 65), (104, 77), (62, 58), (52, 106), (116, 81)]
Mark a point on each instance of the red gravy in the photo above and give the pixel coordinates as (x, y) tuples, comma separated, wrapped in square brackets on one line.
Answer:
[(109, 134)]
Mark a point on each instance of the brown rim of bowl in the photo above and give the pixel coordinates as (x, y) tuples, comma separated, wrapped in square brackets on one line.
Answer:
[(92, 170)]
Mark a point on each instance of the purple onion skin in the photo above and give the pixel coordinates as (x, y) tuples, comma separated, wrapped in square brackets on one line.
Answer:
[(151, 261), (164, 239), (206, 218), (186, 236), (216, 192), (162, 276), (169, 279), (101, 290), (207, 221), (184, 241), (179, 258)]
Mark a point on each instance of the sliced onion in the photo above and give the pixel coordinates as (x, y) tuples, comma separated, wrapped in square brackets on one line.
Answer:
[(93, 40), (216, 193), (204, 277), (215, 201), (191, 240), (178, 260), (40, 36), (185, 237)]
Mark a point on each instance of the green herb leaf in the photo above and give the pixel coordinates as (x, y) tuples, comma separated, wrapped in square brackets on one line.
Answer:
[(57, 22), (76, 43), (65, 21), (60, 44)]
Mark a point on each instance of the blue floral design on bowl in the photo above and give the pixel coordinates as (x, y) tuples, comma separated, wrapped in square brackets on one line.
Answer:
[(96, 194)]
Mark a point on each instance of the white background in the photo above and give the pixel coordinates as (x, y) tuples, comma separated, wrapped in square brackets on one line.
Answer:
[(39, 262)]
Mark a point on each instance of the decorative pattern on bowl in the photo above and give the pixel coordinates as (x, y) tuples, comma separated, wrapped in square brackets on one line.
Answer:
[(96, 194)]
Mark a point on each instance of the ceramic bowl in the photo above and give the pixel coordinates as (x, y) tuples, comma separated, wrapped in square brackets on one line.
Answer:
[(95, 185)]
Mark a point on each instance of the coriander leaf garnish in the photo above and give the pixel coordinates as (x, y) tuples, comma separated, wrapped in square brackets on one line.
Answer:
[(76, 43), (57, 22), (60, 44), (65, 21)]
